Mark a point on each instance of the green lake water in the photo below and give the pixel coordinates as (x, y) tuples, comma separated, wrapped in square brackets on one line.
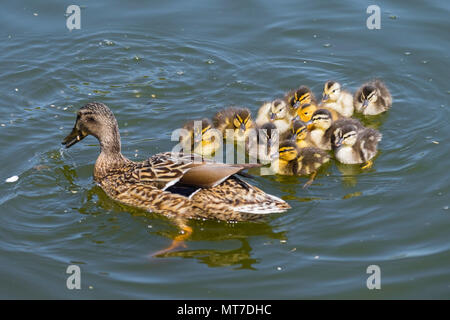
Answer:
[(157, 64)]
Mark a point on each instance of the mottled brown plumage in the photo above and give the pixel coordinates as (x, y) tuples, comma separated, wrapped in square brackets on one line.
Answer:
[(175, 185)]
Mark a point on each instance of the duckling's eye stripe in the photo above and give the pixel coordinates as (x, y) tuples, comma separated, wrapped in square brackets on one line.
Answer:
[(321, 118), (305, 96), (206, 129), (285, 150), (239, 118)]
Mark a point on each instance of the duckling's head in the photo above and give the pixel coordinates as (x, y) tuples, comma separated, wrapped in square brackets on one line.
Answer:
[(301, 96), (278, 110), (369, 94), (299, 130), (331, 91), (346, 135), (242, 120), (288, 151), (306, 111), (198, 130), (98, 120), (321, 119)]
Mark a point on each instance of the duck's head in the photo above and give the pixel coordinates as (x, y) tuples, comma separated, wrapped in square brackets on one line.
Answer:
[(94, 119), (347, 136), (299, 130), (369, 94), (306, 111), (288, 151), (301, 96), (321, 119), (331, 91), (268, 133), (242, 120), (278, 110)]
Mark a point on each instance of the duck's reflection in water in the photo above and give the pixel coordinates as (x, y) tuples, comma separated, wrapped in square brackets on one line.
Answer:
[(240, 257), (209, 232), (216, 235)]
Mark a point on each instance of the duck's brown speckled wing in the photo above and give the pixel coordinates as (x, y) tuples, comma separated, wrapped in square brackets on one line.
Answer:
[(235, 199)]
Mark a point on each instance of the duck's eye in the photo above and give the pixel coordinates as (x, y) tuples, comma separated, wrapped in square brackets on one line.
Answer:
[(90, 119)]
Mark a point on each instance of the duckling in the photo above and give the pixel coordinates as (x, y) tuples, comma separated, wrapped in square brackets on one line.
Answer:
[(200, 137), (297, 98), (266, 143), (321, 121), (295, 161), (337, 99), (237, 119), (330, 134), (299, 134), (306, 111), (172, 184), (372, 98), (323, 127), (277, 112), (353, 146)]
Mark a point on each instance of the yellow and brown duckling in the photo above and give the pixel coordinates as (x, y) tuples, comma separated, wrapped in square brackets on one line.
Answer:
[(200, 137), (265, 146), (337, 99), (372, 98), (323, 126), (277, 112), (237, 119), (320, 122), (170, 184), (296, 161), (352, 146), (295, 99), (299, 134), (306, 111)]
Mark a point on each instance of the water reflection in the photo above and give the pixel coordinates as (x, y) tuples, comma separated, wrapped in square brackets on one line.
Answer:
[(240, 257), (208, 231)]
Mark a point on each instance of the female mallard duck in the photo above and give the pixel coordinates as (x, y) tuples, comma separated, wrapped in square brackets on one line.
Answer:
[(171, 184), (265, 144), (323, 126), (277, 112), (353, 146), (200, 137), (299, 97), (300, 162), (372, 98), (237, 119), (337, 99), (299, 134)]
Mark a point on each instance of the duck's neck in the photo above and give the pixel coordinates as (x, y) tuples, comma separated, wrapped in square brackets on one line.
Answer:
[(110, 158)]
